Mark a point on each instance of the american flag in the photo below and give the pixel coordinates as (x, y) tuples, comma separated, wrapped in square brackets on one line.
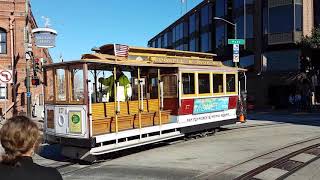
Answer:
[(121, 50)]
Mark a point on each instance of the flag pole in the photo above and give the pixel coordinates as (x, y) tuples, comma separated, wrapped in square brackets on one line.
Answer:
[(114, 50)]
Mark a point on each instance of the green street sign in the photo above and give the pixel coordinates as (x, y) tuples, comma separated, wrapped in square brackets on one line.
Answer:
[(236, 41)]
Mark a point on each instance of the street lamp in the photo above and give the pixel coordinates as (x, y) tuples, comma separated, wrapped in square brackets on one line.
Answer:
[(233, 24), (235, 30)]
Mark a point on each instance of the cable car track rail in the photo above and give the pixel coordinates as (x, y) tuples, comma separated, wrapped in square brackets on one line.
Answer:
[(285, 163), (274, 163)]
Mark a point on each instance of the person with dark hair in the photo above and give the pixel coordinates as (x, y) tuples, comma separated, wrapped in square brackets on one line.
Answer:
[(19, 138)]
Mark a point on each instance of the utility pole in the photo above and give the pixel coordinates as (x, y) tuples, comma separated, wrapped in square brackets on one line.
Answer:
[(28, 54)]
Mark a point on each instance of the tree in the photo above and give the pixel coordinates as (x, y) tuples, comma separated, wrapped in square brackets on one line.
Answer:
[(311, 42), (310, 50)]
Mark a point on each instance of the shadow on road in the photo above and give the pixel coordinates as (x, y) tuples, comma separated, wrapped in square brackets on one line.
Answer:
[(301, 118), (52, 152)]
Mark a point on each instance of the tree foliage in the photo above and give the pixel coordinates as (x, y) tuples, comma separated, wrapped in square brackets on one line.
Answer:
[(311, 42)]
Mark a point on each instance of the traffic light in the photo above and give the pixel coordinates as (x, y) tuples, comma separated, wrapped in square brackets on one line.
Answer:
[(35, 81), (36, 65)]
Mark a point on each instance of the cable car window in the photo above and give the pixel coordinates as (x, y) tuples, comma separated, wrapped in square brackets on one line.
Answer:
[(231, 82), (188, 83), (217, 83), (154, 88), (169, 86), (77, 88), (61, 94), (49, 96), (204, 83)]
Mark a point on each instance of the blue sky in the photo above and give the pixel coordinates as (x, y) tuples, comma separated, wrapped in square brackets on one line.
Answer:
[(83, 24)]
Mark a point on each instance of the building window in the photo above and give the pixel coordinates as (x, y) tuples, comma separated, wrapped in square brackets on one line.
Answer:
[(188, 83), (237, 4), (221, 8), (192, 23), (231, 82), (153, 43), (265, 18), (298, 17), (249, 26), (165, 40), (3, 41), (281, 19), (220, 36), (156, 43), (205, 42), (204, 83), (217, 83), (192, 45), (3, 92), (159, 42), (204, 16)]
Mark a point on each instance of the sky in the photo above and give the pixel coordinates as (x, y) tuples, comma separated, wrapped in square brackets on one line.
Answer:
[(84, 24)]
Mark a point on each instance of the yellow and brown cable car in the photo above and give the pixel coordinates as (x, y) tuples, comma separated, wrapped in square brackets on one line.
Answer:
[(103, 103)]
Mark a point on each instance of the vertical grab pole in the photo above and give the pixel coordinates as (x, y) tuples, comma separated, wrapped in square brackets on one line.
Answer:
[(245, 82), (139, 101), (95, 86), (118, 99), (180, 88), (141, 87), (159, 100), (115, 100)]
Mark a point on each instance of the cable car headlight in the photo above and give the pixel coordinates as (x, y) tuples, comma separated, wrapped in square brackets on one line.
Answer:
[(61, 121)]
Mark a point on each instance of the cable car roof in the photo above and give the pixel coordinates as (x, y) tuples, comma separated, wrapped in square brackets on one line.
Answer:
[(152, 57)]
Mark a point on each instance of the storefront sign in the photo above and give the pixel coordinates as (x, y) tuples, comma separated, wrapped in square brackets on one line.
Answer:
[(209, 105), (207, 117), (169, 60), (45, 37), (75, 124)]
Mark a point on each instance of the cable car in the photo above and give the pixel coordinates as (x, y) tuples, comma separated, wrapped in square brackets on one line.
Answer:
[(121, 97)]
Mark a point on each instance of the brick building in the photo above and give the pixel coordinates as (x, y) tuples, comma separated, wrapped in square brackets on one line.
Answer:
[(15, 27)]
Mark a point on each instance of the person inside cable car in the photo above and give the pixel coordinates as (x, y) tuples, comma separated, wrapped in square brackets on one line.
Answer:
[(124, 89)]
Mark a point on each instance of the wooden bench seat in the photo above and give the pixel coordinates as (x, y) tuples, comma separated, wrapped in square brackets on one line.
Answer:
[(103, 117)]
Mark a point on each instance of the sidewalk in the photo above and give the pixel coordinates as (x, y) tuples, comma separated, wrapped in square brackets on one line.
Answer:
[(284, 112)]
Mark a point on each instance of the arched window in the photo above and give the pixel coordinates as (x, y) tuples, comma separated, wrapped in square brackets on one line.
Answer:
[(3, 41)]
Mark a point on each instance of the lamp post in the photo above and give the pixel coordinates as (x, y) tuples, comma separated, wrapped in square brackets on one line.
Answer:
[(235, 29), (233, 24)]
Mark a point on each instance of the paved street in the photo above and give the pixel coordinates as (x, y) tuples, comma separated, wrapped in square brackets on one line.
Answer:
[(203, 158)]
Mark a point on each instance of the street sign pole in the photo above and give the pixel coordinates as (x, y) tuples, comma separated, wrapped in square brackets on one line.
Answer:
[(236, 43), (28, 53), (235, 36), (6, 77), (5, 102), (28, 90)]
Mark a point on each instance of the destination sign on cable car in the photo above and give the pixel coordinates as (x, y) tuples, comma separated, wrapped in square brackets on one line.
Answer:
[(171, 60)]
